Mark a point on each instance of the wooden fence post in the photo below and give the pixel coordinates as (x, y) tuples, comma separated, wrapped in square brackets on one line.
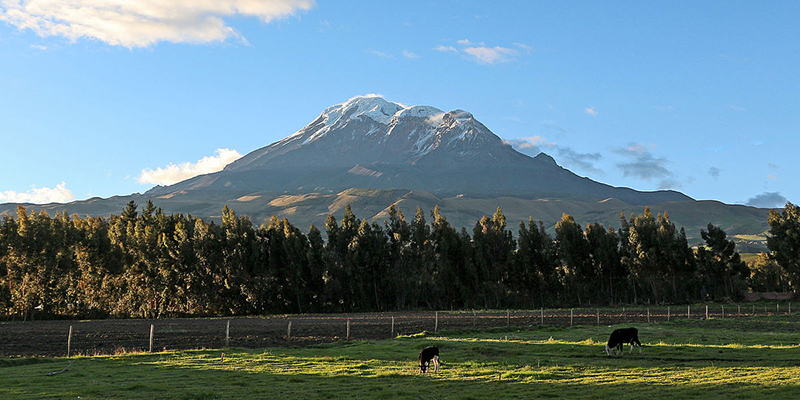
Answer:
[(392, 326), (570, 316), (151, 337), (542, 311), (348, 329), (508, 317), (706, 311), (289, 331), (436, 324), (228, 334), (667, 314), (69, 341), (688, 311), (598, 317), (723, 311), (740, 310), (648, 315)]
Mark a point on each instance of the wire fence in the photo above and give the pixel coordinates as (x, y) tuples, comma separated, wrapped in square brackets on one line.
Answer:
[(95, 337)]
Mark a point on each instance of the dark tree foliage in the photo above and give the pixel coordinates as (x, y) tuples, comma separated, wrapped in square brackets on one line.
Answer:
[(146, 264), (784, 240), (723, 273)]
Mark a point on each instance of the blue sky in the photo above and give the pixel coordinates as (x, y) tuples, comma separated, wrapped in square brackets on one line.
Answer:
[(103, 99)]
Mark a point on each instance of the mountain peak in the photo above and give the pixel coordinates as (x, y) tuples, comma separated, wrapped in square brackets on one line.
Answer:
[(375, 107)]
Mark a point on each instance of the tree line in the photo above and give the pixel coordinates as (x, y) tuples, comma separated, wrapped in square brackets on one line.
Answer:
[(146, 264)]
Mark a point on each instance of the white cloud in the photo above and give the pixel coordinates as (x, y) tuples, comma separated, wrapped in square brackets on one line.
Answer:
[(176, 173), (491, 55), (141, 23), (446, 49), (380, 54), (591, 111), (483, 54), (410, 55), (43, 195)]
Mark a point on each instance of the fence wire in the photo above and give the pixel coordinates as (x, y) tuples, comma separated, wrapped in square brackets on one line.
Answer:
[(95, 337)]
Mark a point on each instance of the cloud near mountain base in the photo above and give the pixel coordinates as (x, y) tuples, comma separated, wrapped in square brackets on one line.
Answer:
[(43, 195), (175, 173), (767, 200)]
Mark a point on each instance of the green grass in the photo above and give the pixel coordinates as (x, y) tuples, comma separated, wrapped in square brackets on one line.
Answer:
[(729, 358)]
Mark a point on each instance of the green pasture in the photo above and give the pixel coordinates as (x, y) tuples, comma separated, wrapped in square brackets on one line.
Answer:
[(744, 358)]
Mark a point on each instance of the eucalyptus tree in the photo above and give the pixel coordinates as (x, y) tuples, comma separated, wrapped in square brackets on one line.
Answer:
[(783, 240)]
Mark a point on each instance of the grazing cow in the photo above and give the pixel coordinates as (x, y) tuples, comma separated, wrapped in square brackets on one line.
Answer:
[(425, 356), (623, 336)]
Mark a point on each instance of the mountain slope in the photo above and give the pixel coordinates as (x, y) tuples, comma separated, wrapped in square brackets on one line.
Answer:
[(371, 153), (368, 142)]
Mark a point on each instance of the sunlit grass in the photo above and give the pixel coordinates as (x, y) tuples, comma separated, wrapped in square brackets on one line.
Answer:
[(732, 359)]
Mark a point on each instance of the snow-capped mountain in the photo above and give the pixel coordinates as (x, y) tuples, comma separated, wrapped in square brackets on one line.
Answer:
[(369, 142), (367, 130)]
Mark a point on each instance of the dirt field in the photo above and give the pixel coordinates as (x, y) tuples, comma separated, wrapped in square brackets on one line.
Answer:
[(51, 338)]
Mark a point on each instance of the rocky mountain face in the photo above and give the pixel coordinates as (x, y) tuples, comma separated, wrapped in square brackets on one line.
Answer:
[(368, 142)]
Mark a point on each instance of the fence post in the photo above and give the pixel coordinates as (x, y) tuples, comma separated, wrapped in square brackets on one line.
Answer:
[(740, 310), (598, 317), (289, 331), (436, 324), (570, 316), (542, 311), (508, 317), (393, 326), (667, 314), (648, 315), (777, 308), (151, 337), (69, 341), (228, 334), (348, 329), (706, 311), (790, 308), (474, 318), (723, 311), (688, 311)]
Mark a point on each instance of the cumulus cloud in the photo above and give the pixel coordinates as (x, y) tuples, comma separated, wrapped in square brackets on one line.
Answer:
[(767, 200), (483, 54), (645, 166), (43, 195), (176, 173), (141, 23), (591, 111)]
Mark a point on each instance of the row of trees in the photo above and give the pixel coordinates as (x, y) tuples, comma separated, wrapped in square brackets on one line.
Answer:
[(149, 264)]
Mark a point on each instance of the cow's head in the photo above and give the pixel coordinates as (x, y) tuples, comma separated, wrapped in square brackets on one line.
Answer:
[(608, 350)]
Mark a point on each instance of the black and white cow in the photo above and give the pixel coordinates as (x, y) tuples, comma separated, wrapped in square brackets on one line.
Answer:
[(623, 336), (427, 355)]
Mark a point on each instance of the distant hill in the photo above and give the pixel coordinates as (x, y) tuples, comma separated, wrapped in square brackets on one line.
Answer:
[(371, 153)]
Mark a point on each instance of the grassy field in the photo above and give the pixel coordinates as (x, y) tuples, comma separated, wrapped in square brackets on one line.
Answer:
[(728, 358)]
